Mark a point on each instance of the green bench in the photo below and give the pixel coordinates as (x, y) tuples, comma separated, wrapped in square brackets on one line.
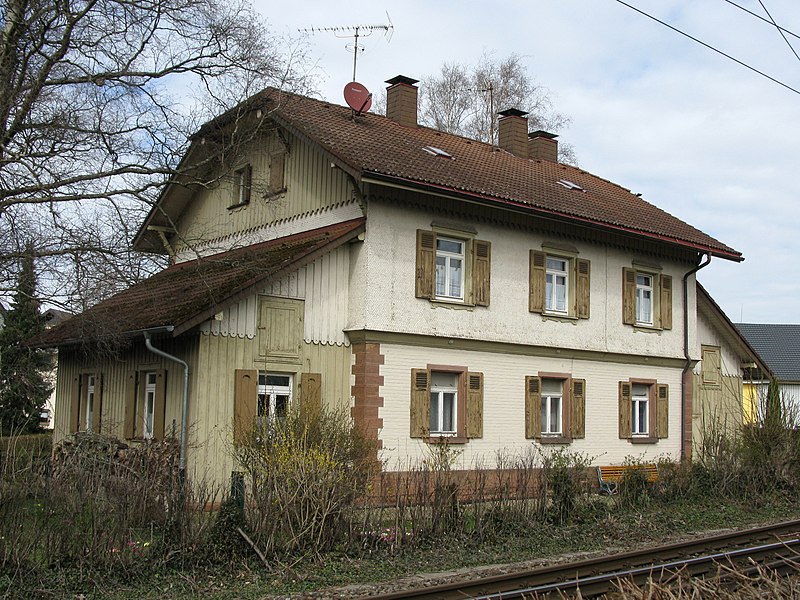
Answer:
[(610, 475)]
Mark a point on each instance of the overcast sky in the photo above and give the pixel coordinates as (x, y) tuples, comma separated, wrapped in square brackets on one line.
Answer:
[(695, 133)]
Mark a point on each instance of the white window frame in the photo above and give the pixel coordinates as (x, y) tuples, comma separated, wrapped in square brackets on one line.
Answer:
[(642, 289), (268, 395), (149, 409), (448, 257), (548, 426), (551, 279), (640, 407), (90, 397), (438, 416)]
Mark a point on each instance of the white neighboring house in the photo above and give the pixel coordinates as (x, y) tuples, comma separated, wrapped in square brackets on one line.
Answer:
[(52, 317)]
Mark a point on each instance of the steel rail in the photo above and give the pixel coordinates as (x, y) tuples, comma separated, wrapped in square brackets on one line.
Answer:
[(531, 579)]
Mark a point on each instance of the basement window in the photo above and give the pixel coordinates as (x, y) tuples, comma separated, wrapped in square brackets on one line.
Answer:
[(437, 152), (570, 185)]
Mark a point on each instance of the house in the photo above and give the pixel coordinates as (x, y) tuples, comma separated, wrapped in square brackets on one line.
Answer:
[(439, 288), (723, 374), (779, 345)]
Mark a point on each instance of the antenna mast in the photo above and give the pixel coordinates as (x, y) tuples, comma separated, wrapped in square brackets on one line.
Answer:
[(357, 31)]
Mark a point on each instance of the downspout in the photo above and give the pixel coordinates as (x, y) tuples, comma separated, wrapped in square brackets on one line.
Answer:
[(185, 399), (688, 364)]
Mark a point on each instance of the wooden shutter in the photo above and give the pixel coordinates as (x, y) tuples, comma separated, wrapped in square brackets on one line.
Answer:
[(666, 301), (662, 411), (420, 403), (628, 297), (481, 272), (245, 400), (536, 283), (83, 402), (75, 405), (583, 270), (578, 409), (533, 407), (625, 425), (426, 264), (97, 408), (277, 164), (129, 428), (247, 181), (310, 394), (474, 418), (160, 408)]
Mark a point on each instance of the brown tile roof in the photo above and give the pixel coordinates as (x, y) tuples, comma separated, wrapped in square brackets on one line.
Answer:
[(188, 293), (373, 146)]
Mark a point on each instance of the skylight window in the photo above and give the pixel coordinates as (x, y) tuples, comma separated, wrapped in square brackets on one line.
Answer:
[(570, 185), (437, 152)]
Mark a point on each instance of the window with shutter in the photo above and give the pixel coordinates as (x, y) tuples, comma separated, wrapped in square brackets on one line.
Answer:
[(145, 405), (559, 285), (643, 410), (452, 269), (554, 408), (242, 184), (446, 402), (646, 299)]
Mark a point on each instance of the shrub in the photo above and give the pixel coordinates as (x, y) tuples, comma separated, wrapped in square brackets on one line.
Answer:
[(304, 471)]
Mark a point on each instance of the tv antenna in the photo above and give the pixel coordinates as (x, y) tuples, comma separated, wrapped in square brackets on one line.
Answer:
[(355, 31)]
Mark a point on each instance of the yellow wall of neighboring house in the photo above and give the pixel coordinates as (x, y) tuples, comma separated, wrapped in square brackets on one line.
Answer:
[(750, 403)]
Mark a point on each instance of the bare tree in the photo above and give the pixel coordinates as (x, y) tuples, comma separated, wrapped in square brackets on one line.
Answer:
[(98, 99), (465, 100)]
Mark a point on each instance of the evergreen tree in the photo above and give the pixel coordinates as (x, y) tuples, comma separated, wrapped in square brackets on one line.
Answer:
[(23, 388)]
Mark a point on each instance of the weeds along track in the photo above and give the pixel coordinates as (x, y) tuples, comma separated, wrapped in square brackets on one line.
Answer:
[(772, 546)]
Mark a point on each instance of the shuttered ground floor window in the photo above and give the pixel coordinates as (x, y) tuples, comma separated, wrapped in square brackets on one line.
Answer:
[(446, 402), (643, 410), (260, 396)]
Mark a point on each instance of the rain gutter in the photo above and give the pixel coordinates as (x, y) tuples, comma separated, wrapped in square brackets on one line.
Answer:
[(688, 364), (185, 399)]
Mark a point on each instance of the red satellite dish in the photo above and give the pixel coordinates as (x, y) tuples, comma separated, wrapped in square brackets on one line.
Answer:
[(357, 97)]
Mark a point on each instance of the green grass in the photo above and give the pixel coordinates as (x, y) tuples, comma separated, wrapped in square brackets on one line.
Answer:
[(603, 530)]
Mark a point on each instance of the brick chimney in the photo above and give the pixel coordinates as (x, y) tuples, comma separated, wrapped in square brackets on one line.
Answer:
[(512, 131), (543, 145), (401, 100)]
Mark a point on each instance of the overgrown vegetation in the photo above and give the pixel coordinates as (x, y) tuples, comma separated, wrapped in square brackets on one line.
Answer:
[(307, 509)]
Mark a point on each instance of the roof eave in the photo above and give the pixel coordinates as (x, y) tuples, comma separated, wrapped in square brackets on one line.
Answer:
[(733, 330), (382, 178), (308, 257)]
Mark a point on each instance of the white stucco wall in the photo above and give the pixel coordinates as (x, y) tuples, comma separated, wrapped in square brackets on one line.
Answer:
[(504, 405), (382, 298)]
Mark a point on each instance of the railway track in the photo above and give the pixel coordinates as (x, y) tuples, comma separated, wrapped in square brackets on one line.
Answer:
[(769, 545)]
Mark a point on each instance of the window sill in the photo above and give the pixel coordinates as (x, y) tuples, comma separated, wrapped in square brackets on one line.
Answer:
[(554, 439), (647, 328), (643, 440), (457, 304), (238, 205), (554, 316), (446, 439), (270, 195)]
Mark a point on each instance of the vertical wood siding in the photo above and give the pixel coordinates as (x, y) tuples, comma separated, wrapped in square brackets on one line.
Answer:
[(323, 285), (211, 413), (311, 185), (716, 409), (115, 372)]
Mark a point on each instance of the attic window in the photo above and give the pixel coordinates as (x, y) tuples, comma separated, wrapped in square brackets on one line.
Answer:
[(437, 152), (570, 185)]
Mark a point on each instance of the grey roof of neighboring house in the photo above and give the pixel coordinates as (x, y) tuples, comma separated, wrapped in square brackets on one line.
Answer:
[(778, 345)]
